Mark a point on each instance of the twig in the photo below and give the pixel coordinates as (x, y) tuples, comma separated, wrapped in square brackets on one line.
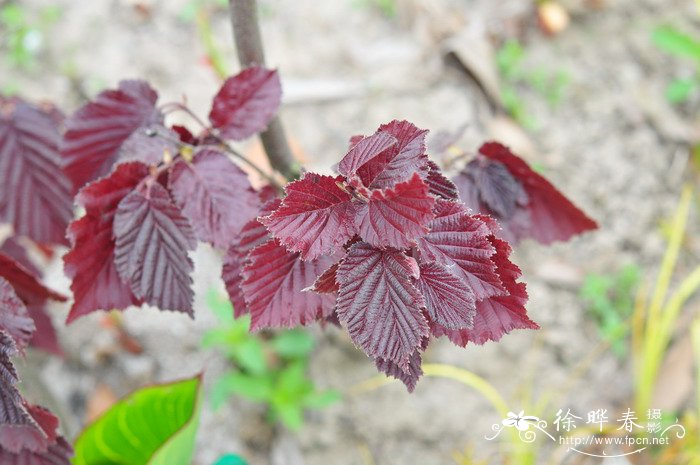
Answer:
[(246, 33)]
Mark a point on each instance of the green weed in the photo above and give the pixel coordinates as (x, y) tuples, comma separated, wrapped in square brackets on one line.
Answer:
[(269, 370)]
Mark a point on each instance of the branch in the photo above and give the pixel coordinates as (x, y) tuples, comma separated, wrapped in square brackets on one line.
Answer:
[(246, 32)]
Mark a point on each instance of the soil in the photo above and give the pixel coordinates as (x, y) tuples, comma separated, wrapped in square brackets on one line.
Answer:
[(611, 144)]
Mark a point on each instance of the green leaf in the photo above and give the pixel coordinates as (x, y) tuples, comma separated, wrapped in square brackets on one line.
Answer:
[(675, 42), (290, 415), (12, 16), (508, 59), (322, 399), (155, 425), (230, 459), (257, 388), (680, 89), (293, 382), (220, 305), (250, 355), (293, 344)]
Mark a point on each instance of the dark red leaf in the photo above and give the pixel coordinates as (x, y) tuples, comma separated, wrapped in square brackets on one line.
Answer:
[(14, 317), (246, 103), (527, 205), (26, 285), (439, 185), (253, 234), (442, 140), (315, 218), (460, 242), (379, 304), (152, 241), (396, 217), (18, 430), (448, 298), (364, 149), (389, 156), (327, 283), (184, 134), (95, 282), (498, 315), (409, 376), (45, 337), (150, 143), (56, 450), (45, 420), (96, 132), (35, 195), (400, 161), (58, 453), (34, 295), (215, 195), (14, 249), (274, 283)]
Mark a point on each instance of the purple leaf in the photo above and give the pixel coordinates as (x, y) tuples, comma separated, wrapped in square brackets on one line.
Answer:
[(45, 337), (58, 453), (273, 285), (315, 218), (409, 376), (18, 430), (389, 156), (14, 249), (150, 143), (327, 283), (439, 185), (252, 235), (400, 161), (364, 149), (497, 315), (95, 282), (460, 242), (527, 205), (246, 103), (96, 132), (396, 217), (215, 195), (448, 299), (379, 304), (26, 285), (152, 241), (35, 194), (14, 317)]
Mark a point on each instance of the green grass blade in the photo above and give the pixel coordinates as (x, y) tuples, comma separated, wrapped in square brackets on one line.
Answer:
[(675, 42)]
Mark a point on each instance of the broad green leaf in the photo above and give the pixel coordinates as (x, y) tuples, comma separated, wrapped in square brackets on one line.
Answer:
[(230, 459), (675, 42), (680, 89), (293, 344), (155, 425)]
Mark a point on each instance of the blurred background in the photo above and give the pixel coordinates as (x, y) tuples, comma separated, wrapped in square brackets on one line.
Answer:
[(601, 96)]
